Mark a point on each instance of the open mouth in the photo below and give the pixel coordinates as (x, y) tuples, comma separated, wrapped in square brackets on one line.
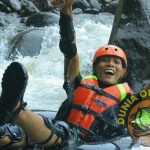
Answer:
[(110, 72)]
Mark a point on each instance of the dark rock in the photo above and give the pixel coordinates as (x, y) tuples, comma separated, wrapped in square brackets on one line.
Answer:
[(42, 19), (82, 4), (43, 5), (15, 5), (27, 43), (91, 11), (77, 11), (96, 5), (4, 8), (111, 6), (28, 8), (131, 31), (100, 5)]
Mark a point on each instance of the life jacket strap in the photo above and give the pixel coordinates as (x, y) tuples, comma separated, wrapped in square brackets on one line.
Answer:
[(98, 116), (47, 140), (99, 91)]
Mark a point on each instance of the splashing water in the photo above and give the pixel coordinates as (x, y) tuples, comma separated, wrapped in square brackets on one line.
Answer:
[(44, 90)]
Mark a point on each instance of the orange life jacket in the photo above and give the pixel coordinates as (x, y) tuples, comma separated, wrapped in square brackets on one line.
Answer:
[(89, 101)]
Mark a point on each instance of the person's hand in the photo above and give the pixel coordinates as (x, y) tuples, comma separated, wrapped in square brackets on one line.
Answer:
[(57, 3), (62, 3)]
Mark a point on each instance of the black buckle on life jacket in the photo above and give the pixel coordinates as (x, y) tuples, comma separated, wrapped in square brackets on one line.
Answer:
[(98, 116), (84, 108)]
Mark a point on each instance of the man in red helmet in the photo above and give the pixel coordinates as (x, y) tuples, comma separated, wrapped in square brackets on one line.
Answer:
[(94, 94), (90, 111)]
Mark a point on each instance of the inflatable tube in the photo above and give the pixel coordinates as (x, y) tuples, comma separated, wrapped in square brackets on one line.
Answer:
[(120, 144)]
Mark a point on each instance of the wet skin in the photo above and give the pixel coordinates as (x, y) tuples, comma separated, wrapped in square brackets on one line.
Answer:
[(109, 69)]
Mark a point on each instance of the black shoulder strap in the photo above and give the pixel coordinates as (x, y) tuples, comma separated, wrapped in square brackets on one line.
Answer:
[(100, 91), (98, 116)]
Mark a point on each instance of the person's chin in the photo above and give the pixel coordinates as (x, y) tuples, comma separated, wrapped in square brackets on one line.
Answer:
[(108, 81)]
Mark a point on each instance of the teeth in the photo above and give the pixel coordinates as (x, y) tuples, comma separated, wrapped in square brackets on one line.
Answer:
[(109, 72)]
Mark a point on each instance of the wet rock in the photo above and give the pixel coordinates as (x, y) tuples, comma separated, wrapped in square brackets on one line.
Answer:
[(27, 43), (43, 5), (95, 4), (4, 8), (131, 31), (77, 11), (91, 11), (111, 6), (88, 6), (82, 4), (42, 19), (28, 8), (15, 5)]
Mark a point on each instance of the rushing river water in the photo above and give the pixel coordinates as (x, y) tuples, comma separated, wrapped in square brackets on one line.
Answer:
[(44, 90)]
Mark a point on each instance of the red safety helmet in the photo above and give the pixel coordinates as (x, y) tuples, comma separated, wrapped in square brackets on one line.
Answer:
[(110, 50)]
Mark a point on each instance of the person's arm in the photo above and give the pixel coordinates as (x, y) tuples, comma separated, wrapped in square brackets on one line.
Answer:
[(68, 44)]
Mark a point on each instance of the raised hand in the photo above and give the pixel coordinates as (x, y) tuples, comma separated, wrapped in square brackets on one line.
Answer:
[(62, 3)]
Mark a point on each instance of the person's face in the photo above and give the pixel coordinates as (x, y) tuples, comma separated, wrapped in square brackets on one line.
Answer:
[(109, 69)]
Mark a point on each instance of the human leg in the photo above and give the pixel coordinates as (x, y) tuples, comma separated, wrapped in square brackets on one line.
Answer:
[(12, 108), (35, 128)]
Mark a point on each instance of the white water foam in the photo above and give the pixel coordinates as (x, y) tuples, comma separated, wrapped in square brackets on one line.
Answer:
[(44, 90)]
